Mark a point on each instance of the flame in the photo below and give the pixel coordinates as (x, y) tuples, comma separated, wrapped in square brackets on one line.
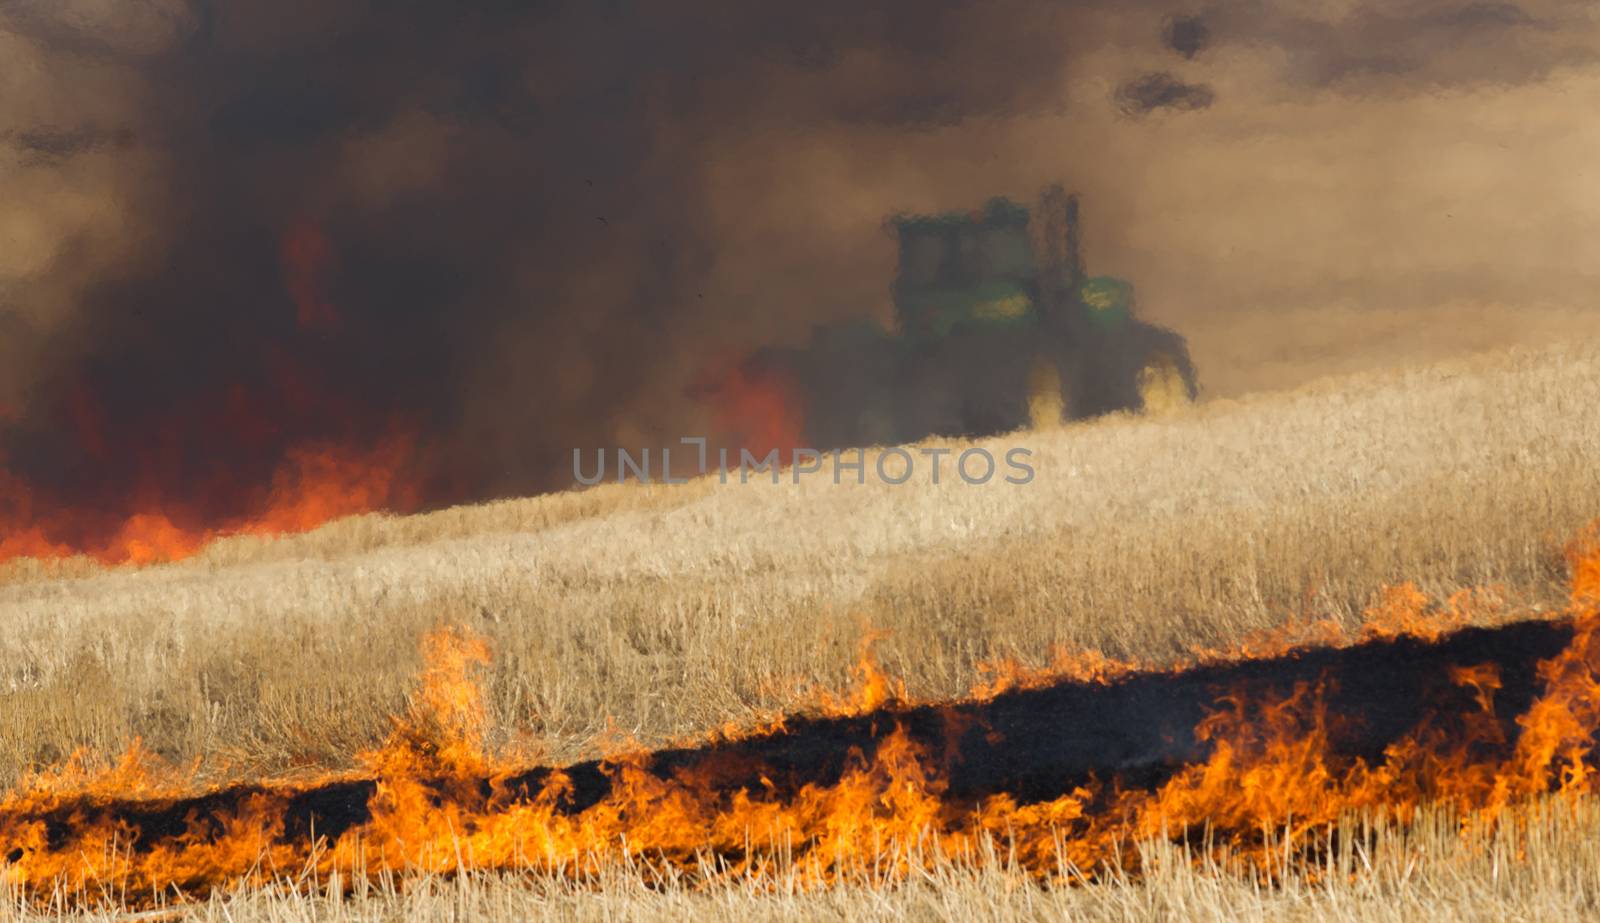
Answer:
[(448, 715), (128, 463), (1269, 791), (314, 485), (1006, 674), (873, 688), (758, 407)]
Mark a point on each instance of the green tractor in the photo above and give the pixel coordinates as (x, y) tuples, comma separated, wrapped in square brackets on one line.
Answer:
[(998, 328)]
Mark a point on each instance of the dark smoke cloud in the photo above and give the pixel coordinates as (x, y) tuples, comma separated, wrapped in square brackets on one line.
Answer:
[(498, 223), (1162, 91), (46, 144), (479, 221), (1186, 35), (118, 28)]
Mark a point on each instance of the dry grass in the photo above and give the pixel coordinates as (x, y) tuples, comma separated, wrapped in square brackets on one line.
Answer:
[(665, 611)]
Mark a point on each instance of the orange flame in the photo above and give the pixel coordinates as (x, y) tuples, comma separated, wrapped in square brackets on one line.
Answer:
[(873, 688), (315, 485), (278, 442), (759, 408)]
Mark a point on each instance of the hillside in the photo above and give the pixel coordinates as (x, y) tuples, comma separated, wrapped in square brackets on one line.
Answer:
[(662, 611)]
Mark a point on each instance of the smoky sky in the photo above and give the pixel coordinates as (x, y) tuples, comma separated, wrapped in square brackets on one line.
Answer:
[(501, 225)]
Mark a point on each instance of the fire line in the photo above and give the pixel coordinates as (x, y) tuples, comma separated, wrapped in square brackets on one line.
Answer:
[(1072, 770)]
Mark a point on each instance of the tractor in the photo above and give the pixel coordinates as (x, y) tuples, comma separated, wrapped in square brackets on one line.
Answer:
[(997, 327)]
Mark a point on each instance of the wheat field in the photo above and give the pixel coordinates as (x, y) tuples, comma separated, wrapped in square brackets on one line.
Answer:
[(656, 613)]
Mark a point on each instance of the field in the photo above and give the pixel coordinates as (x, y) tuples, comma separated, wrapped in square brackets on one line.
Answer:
[(652, 614)]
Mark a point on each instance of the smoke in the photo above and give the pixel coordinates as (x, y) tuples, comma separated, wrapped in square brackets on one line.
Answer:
[(511, 229), (1162, 91), (1413, 45), (1186, 35)]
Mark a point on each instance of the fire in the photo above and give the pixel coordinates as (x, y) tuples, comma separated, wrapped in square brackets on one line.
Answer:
[(130, 459), (1006, 674), (872, 781), (313, 485), (873, 687), (758, 407)]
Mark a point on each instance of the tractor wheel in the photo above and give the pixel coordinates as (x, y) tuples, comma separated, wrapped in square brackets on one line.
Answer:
[(1163, 386)]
